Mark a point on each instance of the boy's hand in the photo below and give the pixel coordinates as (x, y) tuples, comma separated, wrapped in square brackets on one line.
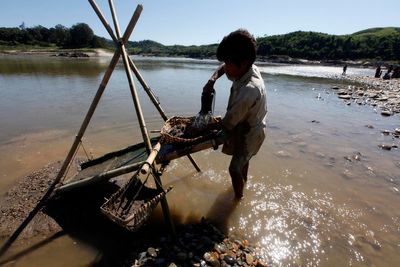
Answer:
[(209, 87)]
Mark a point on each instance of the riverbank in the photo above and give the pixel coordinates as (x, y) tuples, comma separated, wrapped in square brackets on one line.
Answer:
[(276, 59), (77, 53), (379, 93)]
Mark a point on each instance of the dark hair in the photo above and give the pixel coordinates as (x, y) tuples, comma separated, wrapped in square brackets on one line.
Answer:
[(237, 47)]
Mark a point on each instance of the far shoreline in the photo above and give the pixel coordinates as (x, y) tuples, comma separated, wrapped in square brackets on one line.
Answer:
[(278, 59)]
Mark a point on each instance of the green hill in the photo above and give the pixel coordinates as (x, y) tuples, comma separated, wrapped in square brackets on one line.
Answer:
[(378, 31), (373, 44)]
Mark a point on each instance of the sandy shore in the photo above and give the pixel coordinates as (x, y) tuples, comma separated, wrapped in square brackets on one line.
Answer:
[(63, 53)]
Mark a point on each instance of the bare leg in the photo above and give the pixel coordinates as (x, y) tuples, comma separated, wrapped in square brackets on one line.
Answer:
[(237, 183), (245, 170), (238, 170)]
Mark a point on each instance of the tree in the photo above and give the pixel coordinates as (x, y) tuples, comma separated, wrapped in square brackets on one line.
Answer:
[(60, 35), (81, 35)]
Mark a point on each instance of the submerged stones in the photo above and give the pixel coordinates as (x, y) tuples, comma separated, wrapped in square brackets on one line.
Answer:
[(387, 146)]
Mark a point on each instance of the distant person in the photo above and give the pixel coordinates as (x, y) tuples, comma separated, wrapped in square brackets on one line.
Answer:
[(245, 117), (390, 69), (396, 72), (387, 76), (344, 69), (378, 72)]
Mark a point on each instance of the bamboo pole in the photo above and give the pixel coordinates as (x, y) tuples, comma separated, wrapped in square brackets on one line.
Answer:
[(146, 88), (152, 156), (132, 88), (78, 137), (164, 203), (100, 177)]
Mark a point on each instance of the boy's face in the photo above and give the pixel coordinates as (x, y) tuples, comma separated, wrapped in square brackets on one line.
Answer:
[(235, 72)]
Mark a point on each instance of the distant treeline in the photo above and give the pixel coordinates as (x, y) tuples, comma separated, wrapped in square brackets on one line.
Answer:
[(375, 43), (79, 35)]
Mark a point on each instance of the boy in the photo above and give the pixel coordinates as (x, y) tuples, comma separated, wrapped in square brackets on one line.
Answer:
[(245, 116)]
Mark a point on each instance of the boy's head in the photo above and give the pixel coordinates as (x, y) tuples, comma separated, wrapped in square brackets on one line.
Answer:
[(238, 49)]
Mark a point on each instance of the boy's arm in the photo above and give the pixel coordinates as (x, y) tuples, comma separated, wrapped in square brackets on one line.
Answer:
[(208, 88)]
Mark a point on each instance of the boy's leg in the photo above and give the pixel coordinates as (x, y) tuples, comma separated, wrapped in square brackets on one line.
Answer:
[(245, 170), (238, 170)]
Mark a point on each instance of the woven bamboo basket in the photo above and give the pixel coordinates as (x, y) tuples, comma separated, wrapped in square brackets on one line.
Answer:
[(135, 212), (169, 130)]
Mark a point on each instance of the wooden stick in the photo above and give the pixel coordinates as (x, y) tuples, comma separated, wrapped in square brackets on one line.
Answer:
[(132, 88), (149, 161), (100, 177), (146, 138)]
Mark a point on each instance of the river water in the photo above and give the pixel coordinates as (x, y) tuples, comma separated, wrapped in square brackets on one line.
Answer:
[(320, 191)]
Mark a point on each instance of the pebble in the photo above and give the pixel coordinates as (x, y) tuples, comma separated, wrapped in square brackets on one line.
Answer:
[(283, 154), (385, 146), (230, 260), (386, 113), (220, 250), (249, 258), (152, 252), (347, 97)]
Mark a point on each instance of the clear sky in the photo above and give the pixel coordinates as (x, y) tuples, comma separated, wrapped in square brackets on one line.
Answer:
[(199, 22)]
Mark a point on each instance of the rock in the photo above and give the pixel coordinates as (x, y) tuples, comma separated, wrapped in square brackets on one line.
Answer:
[(369, 126), (152, 252), (220, 248), (347, 97), (261, 264), (212, 259), (347, 174), (386, 113), (172, 265), (385, 132), (249, 259), (142, 258), (230, 260), (335, 87), (397, 130), (385, 146), (283, 154)]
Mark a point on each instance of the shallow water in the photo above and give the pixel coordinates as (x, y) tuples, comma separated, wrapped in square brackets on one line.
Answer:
[(308, 201)]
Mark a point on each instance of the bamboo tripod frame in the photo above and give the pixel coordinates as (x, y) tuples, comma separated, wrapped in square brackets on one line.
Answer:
[(120, 42)]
